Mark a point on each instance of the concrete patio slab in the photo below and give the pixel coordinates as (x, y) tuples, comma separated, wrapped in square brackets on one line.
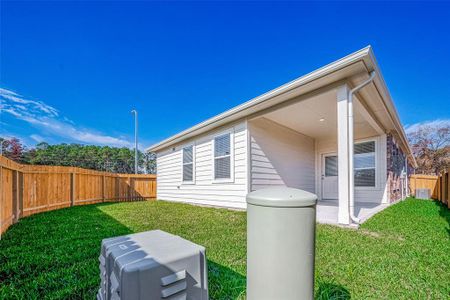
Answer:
[(327, 211)]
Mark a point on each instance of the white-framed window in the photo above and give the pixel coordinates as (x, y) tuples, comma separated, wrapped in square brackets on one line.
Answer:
[(365, 164), (188, 164), (223, 157)]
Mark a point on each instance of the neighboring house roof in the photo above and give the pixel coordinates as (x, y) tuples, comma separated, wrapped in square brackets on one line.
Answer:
[(260, 103)]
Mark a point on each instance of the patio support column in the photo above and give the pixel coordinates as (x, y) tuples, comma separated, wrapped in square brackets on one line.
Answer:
[(343, 142)]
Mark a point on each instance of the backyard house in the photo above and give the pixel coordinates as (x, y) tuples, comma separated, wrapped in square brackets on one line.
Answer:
[(314, 133)]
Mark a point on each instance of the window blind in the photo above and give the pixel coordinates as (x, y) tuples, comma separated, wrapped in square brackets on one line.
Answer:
[(222, 157), (364, 164), (188, 163), (331, 166)]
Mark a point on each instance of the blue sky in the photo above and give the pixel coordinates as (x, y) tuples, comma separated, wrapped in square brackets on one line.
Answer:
[(72, 71)]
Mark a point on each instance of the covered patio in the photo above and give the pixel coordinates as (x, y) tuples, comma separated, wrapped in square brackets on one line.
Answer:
[(329, 142), (334, 132)]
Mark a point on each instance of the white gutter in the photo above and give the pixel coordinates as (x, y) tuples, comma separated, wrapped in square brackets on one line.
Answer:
[(350, 147), (250, 107), (392, 111)]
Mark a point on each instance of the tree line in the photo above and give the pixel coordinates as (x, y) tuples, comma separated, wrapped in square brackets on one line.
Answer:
[(100, 158), (430, 144)]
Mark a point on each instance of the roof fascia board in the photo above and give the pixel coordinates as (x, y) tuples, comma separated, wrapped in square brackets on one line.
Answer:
[(228, 115), (389, 104)]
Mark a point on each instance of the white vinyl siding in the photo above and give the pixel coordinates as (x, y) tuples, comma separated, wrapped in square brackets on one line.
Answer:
[(206, 190), (280, 157)]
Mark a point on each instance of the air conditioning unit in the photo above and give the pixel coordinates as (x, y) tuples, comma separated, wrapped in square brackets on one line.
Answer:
[(423, 194), (152, 265)]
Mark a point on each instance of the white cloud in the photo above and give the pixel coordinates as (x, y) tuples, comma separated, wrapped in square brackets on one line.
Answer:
[(47, 119), (37, 138), (31, 105), (430, 123)]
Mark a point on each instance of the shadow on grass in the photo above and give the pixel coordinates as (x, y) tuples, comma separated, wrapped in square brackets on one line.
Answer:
[(444, 212), (331, 291), (55, 254), (225, 283)]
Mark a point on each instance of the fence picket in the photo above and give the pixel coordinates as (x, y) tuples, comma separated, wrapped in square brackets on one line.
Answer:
[(30, 189)]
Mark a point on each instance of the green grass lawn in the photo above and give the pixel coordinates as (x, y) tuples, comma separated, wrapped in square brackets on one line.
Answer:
[(401, 253)]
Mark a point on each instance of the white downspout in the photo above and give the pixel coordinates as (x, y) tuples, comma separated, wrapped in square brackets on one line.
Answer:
[(403, 188), (350, 147), (406, 176)]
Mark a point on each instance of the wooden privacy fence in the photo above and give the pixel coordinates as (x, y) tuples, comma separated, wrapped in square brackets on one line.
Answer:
[(30, 189), (419, 181), (438, 185), (443, 188)]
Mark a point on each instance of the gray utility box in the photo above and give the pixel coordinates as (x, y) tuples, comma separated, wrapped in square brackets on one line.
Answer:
[(152, 265), (281, 226), (423, 194)]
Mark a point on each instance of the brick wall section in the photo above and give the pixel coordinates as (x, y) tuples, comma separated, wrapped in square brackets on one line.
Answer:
[(395, 164)]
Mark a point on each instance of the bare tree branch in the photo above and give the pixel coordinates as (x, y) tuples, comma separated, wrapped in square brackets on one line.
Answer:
[(431, 147)]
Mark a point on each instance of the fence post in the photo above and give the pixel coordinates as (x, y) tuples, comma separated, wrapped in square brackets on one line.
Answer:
[(438, 188), (103, 188), (117, 189), (72, 188), (20, 200), (15, 196), (448, 189), (131, 182), (21, 191)]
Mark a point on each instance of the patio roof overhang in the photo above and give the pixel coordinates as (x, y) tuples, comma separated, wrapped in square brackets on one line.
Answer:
[(351, 69)]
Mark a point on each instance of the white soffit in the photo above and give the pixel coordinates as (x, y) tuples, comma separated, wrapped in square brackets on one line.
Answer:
[(355, 63), (316, 117)]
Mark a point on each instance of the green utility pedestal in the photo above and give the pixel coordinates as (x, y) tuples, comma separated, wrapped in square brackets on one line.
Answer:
[(281, 226)]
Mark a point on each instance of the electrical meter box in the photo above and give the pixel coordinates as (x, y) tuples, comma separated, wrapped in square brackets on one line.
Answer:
[(152, 265)]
